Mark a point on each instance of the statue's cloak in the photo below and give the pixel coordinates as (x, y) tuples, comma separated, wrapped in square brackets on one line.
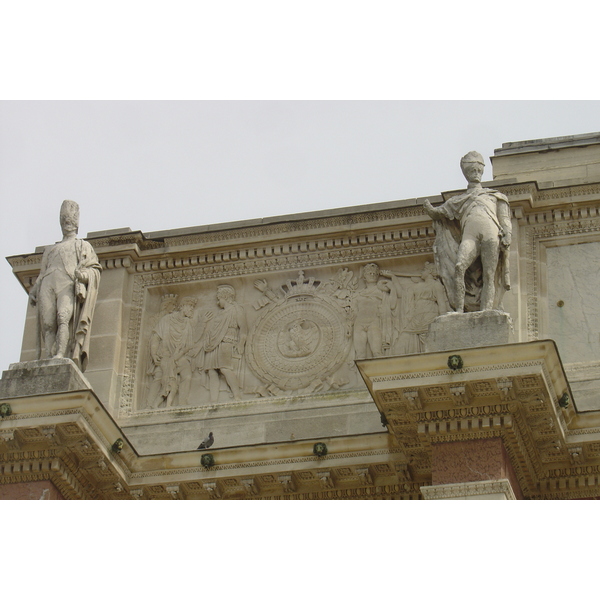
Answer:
[(85, 302)]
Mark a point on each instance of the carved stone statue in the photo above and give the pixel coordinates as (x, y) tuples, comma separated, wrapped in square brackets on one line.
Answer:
[(473, 235), (421, 300), (171, 343), (372, 305), (65, 292), (222, 342)]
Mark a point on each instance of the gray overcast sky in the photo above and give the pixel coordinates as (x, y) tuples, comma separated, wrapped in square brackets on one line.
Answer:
[(163, 165)]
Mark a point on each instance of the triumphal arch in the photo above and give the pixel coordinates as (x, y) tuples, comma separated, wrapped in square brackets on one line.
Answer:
[(430, 348)]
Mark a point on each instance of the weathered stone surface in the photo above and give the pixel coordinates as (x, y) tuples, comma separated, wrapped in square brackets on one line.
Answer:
[(41, 377), (573, 306), (551, 160), (584, 379), (453, 331), (267, 422)]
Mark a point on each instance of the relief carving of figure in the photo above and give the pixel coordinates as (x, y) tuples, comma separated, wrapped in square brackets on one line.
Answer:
[(65, 292), (372, 306), (421, 300), (222, 342), (171, 343), (472, 258), (168, 304)]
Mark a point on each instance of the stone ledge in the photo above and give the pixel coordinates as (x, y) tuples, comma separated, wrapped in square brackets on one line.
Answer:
[(552, 143)]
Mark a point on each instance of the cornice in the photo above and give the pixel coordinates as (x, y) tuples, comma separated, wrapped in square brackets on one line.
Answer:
[(306, 461), (470, 489), (511, 398), (327, 240), (69, 443), (337, 222)]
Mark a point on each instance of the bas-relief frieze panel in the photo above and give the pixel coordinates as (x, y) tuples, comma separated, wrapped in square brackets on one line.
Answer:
[(151, 284), (395, 297), (573, 274), (210, 342)]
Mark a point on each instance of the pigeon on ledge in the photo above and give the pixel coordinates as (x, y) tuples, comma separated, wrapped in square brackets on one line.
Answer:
[(207, 442)]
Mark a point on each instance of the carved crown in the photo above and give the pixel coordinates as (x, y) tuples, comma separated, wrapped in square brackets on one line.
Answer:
[(300, 286)]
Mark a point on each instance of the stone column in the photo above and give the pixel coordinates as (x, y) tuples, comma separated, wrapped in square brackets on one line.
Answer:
[(471, 470)]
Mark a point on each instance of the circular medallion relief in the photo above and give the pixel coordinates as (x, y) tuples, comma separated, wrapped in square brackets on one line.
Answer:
[(294, 343)]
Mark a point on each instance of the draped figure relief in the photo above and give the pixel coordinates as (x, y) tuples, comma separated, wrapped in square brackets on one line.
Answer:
[(421, 300), (171, 343), (296, 336), (222, 342)]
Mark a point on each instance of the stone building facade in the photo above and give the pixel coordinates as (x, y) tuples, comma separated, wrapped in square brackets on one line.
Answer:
[(300, 343)]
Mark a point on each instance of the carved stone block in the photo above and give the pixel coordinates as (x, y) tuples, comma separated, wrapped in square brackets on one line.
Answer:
[(454, 331), (41, 377)]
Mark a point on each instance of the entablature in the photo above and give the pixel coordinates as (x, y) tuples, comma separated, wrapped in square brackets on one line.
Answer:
[(517, 392), (68, 438)]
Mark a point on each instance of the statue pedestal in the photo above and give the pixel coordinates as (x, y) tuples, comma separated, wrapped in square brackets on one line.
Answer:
[(39, 377), (454, 331)]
